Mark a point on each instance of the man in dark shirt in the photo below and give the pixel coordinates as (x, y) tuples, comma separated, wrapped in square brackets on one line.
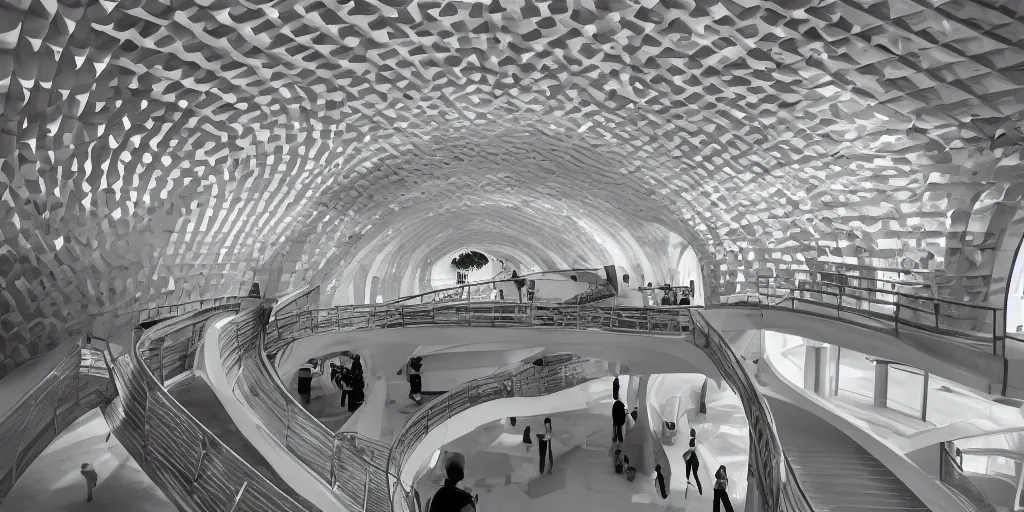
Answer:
[(449, 498), (618, 420)]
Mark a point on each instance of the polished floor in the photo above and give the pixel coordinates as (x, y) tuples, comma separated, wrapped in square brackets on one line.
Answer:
[(53, 482), (504, 472)]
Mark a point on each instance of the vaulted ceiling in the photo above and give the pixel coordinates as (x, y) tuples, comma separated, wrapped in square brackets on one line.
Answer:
[(160, 150)]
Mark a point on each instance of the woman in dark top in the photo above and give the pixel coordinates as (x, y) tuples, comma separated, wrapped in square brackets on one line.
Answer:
[(659, 482), (692, 463), (721, 491), (545, 447)]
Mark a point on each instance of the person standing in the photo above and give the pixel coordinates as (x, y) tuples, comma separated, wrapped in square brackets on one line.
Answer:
[(305, 383), (615, 388), (692, 463), (415, 380), (526, 438), (721, 491), (659, 482), (90, 480), (357, 364), (618, 421), (545, 447)]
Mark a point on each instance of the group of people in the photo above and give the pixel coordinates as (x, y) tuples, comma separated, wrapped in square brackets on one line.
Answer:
[(692, 462), (351, 382), (348, 379)]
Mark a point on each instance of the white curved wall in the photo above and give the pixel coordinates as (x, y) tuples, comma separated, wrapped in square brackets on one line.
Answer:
[(290, 469)]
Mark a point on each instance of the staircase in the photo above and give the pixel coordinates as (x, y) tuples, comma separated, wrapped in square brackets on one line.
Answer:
[(836, 473)]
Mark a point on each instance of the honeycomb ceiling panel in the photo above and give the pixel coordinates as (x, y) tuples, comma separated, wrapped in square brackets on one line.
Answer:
[(156, 151)]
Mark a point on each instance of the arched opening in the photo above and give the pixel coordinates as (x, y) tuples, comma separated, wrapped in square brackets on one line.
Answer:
[(690, 270)]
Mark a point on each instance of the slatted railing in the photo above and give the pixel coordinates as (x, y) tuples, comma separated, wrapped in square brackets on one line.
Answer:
[(191, 466), (79, 383)]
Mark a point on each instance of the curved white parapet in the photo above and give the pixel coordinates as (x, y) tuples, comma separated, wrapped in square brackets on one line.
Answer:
[(469, 420), (291, 470), (982, 372), (936, 496), (643, 354)]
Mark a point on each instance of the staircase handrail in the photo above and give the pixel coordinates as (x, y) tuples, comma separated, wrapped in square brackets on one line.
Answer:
[(951, 474), (156, 430), (898, 302)]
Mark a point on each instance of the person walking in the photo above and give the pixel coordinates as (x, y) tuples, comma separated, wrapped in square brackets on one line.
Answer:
[(721, 497), (545, 447), (526, 439), (618, 421), (450, 498), (659, 482), (692, 463), (415, 380), (90, 480)]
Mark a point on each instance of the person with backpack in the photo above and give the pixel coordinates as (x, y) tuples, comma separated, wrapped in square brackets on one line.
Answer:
[(721, 496), (618, 421), (692, 463), (450, 498)]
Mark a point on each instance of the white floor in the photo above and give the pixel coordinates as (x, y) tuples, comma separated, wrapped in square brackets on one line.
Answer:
[(504, 472), (54, 483)]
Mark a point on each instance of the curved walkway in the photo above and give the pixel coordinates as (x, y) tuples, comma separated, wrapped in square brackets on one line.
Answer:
[(934, 353)]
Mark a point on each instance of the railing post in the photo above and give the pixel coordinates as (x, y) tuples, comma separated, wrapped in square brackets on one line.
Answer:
[(995, 333), (839, 303), (648, 313), (896, 315), (579, 313), (529, 309), (238, 497), (401, 313), (334, 464), (199, 463), (935, 304)]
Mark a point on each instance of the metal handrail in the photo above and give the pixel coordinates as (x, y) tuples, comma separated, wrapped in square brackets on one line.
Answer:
[(136, 365), (289, 304), (638, 320), (795, 292), (882, 290), (951, 474), (482, 283), (759, 416)]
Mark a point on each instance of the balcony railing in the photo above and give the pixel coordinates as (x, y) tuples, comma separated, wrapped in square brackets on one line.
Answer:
[(174, 310), (287, 328), (191, 466), (79, 383), (776, 481), (775, 477), (857, 300), (951, 474)]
